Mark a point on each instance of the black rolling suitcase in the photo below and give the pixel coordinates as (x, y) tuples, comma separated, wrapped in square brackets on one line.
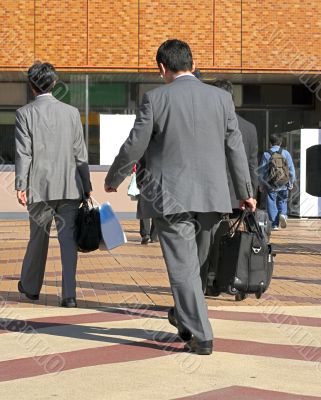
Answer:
[(245, 259)]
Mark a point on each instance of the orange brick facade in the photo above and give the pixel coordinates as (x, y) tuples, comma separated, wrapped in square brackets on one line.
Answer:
[(117, 35)]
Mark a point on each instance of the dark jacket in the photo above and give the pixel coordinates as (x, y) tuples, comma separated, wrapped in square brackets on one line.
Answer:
[(249, 136)]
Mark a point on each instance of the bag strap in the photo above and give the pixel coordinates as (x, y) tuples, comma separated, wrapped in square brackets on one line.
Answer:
[(235, 226), (247, 214), (251, 215)]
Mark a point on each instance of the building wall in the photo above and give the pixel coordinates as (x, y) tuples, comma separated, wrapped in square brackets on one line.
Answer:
[(119, 201), (225, 35)]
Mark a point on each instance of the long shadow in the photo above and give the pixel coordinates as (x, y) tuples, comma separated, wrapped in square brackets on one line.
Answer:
[(299, 248), (117, 287), (160, 338), (51, 300), (298, 280)]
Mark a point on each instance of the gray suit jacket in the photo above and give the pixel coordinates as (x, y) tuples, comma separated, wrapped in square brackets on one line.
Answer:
[(184, 129), (249, 137), (51, 156)]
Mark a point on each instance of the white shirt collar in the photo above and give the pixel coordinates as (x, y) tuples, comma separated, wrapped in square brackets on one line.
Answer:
[(44, 94), (185, 74)]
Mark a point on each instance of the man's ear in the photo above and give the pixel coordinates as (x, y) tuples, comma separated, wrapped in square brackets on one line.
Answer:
[(193, 66), (162, 69)]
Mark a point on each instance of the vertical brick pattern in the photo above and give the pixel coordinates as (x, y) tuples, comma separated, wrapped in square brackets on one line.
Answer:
[(166, 19), (16, 32), (61, 32), (282, 35), (250, 34), (113, 33), (227, 46)]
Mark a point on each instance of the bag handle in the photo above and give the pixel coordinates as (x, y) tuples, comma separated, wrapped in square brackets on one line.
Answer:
[(235, 226), (87, 202), (246, 213)]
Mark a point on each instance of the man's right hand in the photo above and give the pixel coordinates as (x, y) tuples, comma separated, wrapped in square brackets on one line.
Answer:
[(109, 189), (22, 197), (249, 203)]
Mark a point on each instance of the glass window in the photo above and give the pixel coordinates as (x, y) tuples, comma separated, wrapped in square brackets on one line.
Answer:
[(13, 94), (285, 120), (104, 98), (7, 142)]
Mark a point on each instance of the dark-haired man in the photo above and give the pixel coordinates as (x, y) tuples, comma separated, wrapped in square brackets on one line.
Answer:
[(51, 177), (184, 129), (277, 194)]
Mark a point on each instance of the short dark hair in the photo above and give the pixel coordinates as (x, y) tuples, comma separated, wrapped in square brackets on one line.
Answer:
[(224, 84), (276, 140), (42, 77), (176, 55)]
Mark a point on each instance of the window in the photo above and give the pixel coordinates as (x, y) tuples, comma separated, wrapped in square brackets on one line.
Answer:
[(7, 142)]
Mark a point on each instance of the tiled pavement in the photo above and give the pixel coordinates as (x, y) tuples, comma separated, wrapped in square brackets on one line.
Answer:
[(119, 345)]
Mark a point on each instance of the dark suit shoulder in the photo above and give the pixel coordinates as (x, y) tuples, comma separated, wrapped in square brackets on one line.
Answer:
[(245, 125)]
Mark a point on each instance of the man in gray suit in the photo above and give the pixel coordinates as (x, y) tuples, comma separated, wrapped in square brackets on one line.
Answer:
[(52, 176), (184, 129)]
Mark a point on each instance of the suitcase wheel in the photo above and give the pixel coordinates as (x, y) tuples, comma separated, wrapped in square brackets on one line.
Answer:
[(259, 293), (231, 290), (240, 296)]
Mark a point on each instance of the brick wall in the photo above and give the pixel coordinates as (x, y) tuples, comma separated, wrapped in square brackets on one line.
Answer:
[(16, 32), (225, 35)]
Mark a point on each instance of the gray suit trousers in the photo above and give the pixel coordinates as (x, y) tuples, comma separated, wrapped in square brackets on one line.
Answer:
[(180, 235), (33, 268)]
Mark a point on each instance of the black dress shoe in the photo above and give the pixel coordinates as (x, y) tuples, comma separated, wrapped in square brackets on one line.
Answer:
[(201, 348), (30, 296), (69, 302), (184, 334), (211, 291), (145, 240)]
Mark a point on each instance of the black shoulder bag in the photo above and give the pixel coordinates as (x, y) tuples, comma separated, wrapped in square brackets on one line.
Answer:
[(88, 227)]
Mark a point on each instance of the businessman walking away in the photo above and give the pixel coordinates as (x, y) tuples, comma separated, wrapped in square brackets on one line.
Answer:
[(52, 176), (184, 129)]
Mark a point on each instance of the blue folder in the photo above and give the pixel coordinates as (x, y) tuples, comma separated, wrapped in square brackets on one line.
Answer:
[(112, 232)]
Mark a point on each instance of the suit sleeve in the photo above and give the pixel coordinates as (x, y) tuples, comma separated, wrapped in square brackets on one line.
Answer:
[(134, 147), (81, 155), (23, 154), (236, 156), (253, 162), (140, 172)]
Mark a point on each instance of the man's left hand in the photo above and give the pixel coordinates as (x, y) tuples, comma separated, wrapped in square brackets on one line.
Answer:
[(110, 189), (22, 197), (249, 203)]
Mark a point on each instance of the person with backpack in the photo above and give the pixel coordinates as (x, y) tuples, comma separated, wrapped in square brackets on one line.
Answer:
[(276, 177)]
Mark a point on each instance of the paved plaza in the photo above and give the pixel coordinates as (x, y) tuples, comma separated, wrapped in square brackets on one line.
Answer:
[(119, 345)]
